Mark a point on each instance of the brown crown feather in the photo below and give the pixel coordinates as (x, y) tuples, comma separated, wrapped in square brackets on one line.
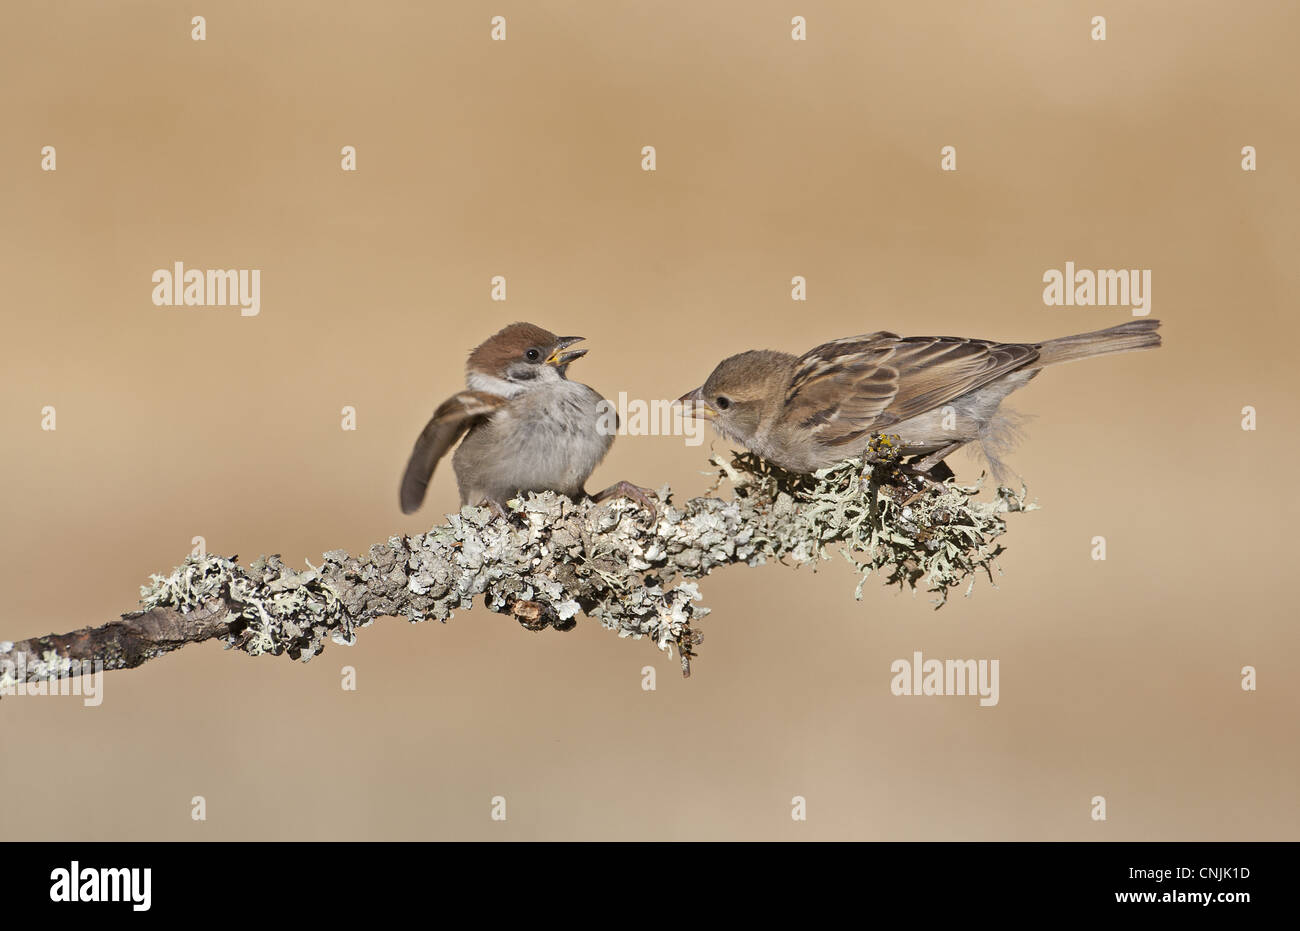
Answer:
[(750, 376), (508, 345)]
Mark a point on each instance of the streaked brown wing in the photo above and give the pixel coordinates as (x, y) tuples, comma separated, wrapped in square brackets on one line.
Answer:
[(847, 389), (933, 370), (841, 388), (449, 422)]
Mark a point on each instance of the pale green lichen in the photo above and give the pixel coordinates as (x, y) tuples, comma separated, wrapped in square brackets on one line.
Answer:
[(275, 604), (920, 533), (553, 558)]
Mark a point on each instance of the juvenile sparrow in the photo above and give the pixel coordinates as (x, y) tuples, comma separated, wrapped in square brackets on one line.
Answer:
[(936, 393), (526, 426)]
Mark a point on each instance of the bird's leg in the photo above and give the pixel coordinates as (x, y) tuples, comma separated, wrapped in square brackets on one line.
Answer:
[(632, 492), (936, 459), (928, 473)]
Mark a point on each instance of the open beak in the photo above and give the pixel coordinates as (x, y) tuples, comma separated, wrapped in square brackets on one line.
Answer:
[(559, 358), (695, 404)]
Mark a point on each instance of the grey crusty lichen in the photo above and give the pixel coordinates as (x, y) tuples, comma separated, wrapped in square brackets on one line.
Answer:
[(550, 559)]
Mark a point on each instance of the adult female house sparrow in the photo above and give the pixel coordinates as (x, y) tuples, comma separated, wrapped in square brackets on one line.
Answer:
[(936, 393), (526, 426)]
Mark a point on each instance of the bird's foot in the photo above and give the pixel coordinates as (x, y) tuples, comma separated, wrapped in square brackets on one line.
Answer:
[(641, 496), (925, 479), (496, 507)]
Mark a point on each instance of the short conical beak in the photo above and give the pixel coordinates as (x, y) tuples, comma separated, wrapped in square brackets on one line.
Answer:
[(559, 357), (695, 404)]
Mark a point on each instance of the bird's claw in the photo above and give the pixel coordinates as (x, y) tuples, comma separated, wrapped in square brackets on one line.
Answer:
[(496, 507), (641, 496)]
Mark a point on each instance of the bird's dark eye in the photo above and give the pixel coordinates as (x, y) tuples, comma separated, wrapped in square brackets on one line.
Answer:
[(533, 355), (722, 403)]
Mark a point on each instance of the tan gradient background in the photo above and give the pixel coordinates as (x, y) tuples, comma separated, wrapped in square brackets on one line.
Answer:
[(1118, 678)]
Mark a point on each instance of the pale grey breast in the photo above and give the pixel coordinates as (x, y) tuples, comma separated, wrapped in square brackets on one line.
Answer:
[(550, 437)]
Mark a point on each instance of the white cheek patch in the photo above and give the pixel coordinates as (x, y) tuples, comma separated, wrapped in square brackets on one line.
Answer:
[(477, 381)]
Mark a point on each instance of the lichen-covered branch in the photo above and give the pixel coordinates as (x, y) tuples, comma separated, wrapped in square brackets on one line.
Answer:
[(551, 559)]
